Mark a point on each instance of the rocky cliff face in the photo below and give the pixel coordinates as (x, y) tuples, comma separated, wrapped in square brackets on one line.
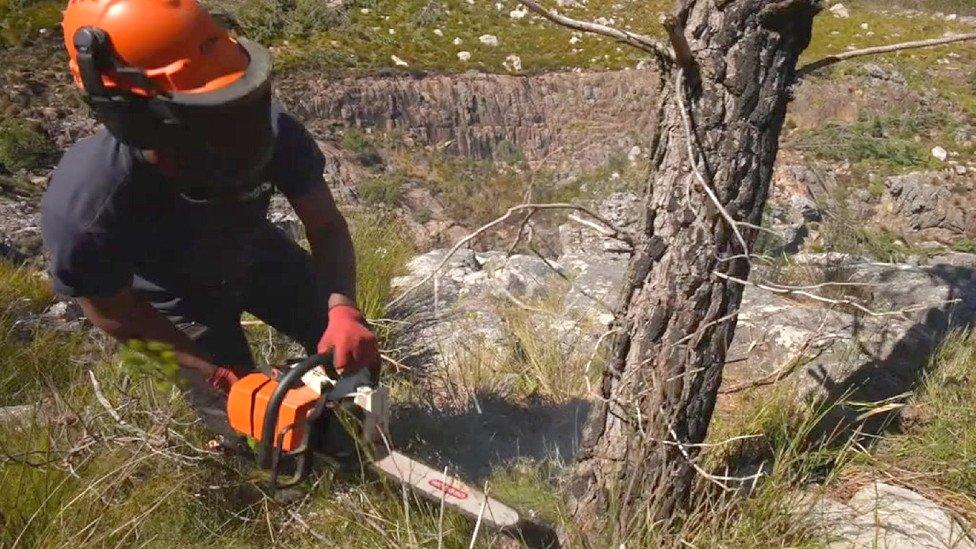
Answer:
[(571, 119)]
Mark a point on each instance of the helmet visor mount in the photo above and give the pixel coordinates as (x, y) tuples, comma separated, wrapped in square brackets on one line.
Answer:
[(221, 140)]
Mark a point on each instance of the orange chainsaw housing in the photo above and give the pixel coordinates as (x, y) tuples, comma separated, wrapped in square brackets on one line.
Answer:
[(248, 402)]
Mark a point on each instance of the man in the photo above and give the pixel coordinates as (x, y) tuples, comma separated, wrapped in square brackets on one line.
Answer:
[(157, 224)]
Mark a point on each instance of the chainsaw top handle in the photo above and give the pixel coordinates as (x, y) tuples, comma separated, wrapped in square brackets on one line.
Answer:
[(287, 380)]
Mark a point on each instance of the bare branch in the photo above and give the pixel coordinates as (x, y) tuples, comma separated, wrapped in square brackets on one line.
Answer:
[(521, 230), (617, 233), (682, 50), (787, 290), (776, 375), (638, 41), (838, 57), (679, 92)]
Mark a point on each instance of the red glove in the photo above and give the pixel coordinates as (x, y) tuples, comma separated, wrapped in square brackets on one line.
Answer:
[(222, 379), (352, 343)]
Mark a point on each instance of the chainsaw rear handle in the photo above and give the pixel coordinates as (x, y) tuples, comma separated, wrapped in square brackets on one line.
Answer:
[(287, 381)]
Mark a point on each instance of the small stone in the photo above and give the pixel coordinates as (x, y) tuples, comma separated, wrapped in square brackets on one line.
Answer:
[(488, 40), (615, 176), (458, 41), (513, 63), (399, 62), (391, 31), (574, 40), (364, 11), (634, 154), (940, 153), (864, 26), (438, 32), (961, 170), (518, 13), (464, 56), (840, 10)]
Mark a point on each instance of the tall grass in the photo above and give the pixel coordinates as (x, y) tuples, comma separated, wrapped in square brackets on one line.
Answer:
[(32, 358), (383, 248), (936, 445)]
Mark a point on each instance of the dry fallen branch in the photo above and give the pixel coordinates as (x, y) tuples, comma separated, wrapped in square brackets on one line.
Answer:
[(639, 41), (838, 57)]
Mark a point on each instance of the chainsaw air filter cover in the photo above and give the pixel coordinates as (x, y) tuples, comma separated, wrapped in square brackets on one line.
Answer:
[(247, 404)]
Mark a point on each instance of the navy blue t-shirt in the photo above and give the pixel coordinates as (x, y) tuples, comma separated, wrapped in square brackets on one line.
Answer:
[(110, 219)]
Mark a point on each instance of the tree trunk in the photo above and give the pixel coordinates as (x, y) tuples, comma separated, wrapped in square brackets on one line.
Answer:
[(676, 316)]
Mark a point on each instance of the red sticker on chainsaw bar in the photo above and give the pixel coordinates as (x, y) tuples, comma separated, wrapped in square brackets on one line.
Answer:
[(452, 491)]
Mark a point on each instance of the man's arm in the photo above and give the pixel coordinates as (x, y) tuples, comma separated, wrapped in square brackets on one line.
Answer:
[(347, 336), (332, 248), (126, 316)]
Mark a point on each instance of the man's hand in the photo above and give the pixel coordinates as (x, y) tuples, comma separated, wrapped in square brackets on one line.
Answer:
[(353, 345), (222, 379)]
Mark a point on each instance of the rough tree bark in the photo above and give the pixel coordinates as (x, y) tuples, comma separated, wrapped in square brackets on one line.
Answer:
[(677, 316)]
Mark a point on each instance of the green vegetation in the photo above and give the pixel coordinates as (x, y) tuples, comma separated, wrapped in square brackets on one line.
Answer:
[(31, 359), (382, 251), (21, 18), (22, 147), (382, 190), (424, 34), (271, 20), (883, 140)]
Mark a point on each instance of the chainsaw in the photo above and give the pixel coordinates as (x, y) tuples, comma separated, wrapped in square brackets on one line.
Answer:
[(308, 410)]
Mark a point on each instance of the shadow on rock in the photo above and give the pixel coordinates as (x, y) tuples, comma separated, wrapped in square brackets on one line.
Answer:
[(900, 370), (492, 433)]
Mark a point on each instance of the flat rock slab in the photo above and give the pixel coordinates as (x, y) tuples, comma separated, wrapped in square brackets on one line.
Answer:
[(883, 516)]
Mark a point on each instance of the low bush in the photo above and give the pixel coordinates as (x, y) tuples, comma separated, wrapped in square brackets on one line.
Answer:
[(21, 18), (23, 148), (272, 20)]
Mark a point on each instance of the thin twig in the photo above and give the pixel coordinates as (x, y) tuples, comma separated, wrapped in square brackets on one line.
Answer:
[(638, 41), (838, 57), (693, 159), (822, 299), (776, 375), (481, 514), (521, 230), (618, 234), (395, 363)]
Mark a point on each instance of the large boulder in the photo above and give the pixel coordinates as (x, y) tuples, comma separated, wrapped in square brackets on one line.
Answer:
[(926, 205), (878, 352), (877, 347)]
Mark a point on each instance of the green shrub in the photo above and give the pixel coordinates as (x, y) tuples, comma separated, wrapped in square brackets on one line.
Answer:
[(355, 141), (886, 139), (21, 18), (22, 147), (381, 190), (965, 245), (272, 20)]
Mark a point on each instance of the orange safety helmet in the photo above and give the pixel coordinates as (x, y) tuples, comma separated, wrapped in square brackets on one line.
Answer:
[(162, 74)]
